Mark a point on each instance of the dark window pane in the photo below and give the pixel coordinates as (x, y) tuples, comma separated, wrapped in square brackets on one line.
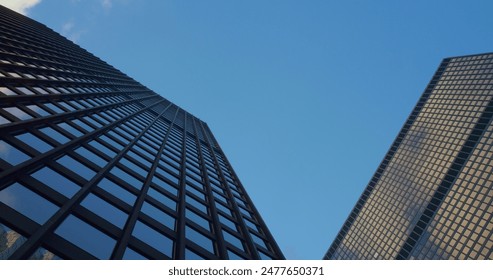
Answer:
[(190, 255), (153, 238), (105, 210), (86, 237), (199, 239), (77, 167), (91, 156), (233, 240), (28, 203), (43, 254), (162, 198), (56, 181), (10, 241), (117, 191), (233, 256), (54, 134), (34, 142), (129, 179), (197, 219), (164, 185), (132, 255), (11, 154), (158, 215)]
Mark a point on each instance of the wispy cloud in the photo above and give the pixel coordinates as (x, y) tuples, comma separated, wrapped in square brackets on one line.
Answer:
[(20, 6), (107, 4), (69, 31)]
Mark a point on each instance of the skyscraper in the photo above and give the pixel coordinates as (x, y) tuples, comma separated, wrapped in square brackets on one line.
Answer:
[(95, 165), (432, 195)]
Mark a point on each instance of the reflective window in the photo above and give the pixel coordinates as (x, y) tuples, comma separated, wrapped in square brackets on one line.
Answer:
[(195, 191), (158, 215), (162, 198), (132, 166), (91, 156), (86, 237), (227, 222), (233, 239), (3, 120), (102, 148), (10, 241), (190, 255), (55, 134), (197, 219), (56, 181), (105, 210), (38, 110), (28, 203), (199, 239), (250, 224), (16, 112), (34, 142), (117, 191), (192, 201), (264, 256), (233, 256), (127, 178), (83, 125), (70, 129), (258, 240), (165, 185), (77, 167), (132, 255), (11, 154), (43, 254), (223, 208), (153, 238)]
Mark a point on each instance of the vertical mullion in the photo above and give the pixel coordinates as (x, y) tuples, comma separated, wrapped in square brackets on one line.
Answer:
[(130, 224), (26, 249), (221, 246)]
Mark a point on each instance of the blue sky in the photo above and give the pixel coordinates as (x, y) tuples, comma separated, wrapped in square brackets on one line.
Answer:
[(304, 97)]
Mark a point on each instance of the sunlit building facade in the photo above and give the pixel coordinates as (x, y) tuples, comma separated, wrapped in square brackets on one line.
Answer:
[(432, 195), (93, 165)]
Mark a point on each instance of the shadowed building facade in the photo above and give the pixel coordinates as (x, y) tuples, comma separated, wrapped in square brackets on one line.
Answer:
[(93, 165), (432, 195)]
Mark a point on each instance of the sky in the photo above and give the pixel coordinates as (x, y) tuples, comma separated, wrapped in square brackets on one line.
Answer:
[(304, 97)]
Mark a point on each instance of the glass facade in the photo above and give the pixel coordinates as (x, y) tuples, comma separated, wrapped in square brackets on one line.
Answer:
[(93, 165), (432, 195)]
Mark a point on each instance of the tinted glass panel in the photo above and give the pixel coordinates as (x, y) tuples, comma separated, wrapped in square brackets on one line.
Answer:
[(162, 198), (56, 181), (190, 255), (34, 142), (54, 134), (117, 191), (132, 255), (28, 203), (77, 167), (86, 237), (199, 239), (10, 241), (153, 238), (11, 154), (105, 210), (158, 215)]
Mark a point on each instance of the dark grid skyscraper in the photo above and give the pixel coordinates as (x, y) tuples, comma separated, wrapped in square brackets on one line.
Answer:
[(432, 195), (95, 165)]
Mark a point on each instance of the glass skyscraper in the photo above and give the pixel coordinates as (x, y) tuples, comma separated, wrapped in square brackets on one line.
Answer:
[(93, 165), (432, 195)]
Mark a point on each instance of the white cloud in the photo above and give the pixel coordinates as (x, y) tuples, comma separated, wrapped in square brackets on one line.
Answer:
[(20, 6), (67, 27), (107, 4), (69, 31)]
